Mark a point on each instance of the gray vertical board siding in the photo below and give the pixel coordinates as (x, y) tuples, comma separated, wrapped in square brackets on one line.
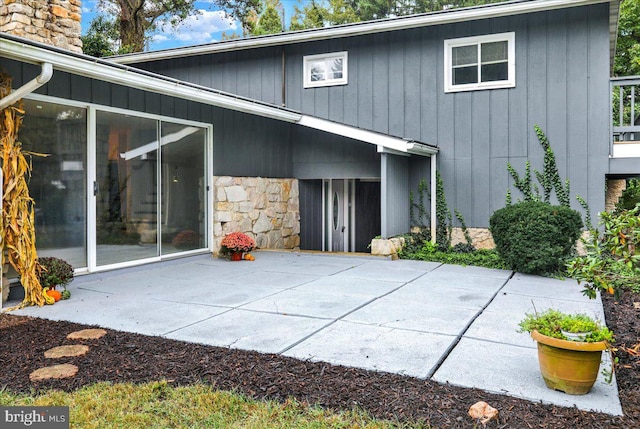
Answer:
[(412, 91), (395, 195), (556, 91), (294, 82), (310, 214), (350, 92), (430, 71), (445, 102), (364, 75), (538, 45), (578, 88), (396, 91), (16, 70), (100, 91), (598, 109), (320, 155), (247, 145), (518, 96), (381, 82), (119, 95), (499, 183), (420, 169)]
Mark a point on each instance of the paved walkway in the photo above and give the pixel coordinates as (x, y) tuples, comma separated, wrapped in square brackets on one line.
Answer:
[(444, 322)]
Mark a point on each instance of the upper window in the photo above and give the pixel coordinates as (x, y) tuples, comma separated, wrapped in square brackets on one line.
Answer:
[(325, 69), (481, 62)]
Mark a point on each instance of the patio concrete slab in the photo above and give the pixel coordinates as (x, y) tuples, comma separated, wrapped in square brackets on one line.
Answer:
[(320, 304), (413, 315), (374, 348), (409, 317), (341, 284), (443, 296), (383, 270), (512, 370), (441, 277), (281, 280), (118, 311), (263, 332), (219, 294)]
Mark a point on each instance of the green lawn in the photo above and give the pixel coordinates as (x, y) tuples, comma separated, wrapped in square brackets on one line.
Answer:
[(159, 405)]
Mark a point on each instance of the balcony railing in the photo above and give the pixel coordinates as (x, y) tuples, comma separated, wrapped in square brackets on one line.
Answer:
[(625, 117)]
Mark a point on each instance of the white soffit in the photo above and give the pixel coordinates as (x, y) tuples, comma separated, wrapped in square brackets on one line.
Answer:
[(381, 140), (494, 10), (130, 77)]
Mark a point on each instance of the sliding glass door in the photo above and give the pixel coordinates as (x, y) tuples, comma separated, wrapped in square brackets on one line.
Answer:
[(58, 181), (150, 188), (126, 188), (183, 188)]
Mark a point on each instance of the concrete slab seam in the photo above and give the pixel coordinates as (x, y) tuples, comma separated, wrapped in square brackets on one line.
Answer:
[(286, 349), (455, 342), (194, 323)]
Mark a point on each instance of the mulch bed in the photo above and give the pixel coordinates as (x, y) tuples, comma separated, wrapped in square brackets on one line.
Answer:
[(125, 357)]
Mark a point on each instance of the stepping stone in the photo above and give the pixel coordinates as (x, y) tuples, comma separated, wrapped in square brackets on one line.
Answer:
[(55, 371), (87, 334), (66, 351)]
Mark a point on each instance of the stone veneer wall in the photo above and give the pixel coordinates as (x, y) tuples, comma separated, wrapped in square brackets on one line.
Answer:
[(615, 187), (53, 22), (480, 237), (266, 209)]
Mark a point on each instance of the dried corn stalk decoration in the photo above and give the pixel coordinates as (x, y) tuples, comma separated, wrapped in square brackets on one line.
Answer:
[(17, 221)]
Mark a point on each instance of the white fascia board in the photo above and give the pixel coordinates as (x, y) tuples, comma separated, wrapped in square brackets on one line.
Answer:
[(380, 140), (495, 10), (133, 78)]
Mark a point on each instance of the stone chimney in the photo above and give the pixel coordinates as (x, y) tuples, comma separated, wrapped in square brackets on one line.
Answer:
[(53, 22)]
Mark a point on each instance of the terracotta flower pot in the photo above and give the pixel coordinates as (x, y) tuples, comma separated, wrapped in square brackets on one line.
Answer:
[(236, 256), (569, 366)]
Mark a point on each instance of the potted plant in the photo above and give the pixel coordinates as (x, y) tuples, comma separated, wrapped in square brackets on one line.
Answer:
[(54, 272), (568, 365), (236, 244)]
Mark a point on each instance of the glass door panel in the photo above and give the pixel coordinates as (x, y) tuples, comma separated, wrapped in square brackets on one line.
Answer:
[(58, 180), (183, 190), (126, 188)]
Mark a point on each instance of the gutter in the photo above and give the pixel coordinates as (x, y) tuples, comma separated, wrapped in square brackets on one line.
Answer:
[(495, 10), (45, 75)]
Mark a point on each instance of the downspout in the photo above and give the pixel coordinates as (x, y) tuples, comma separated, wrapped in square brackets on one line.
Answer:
[(29, 87), (433, 198), (284, 79)]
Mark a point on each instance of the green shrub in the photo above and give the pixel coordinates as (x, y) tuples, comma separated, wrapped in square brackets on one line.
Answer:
[(612, 262), (535, 237), (630, 196), (54, 272)]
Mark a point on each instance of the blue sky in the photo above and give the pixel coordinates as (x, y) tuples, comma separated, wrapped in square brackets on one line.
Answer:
[(206, 27)]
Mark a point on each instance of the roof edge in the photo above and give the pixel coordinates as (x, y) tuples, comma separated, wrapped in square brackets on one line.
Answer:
[(494, 10)]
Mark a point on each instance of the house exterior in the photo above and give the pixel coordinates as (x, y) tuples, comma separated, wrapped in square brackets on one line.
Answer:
[(314, 139)]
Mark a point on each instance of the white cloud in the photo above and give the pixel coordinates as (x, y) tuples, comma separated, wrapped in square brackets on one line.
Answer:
[(197, 29)]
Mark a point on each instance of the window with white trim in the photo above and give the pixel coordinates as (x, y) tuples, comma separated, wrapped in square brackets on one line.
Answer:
[(480, 62), (325, 69)]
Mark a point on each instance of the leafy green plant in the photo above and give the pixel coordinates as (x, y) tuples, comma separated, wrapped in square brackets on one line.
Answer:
[(488, 258), (549, 178), (630, 197), (421, 220), (612, 261), (552, 323), (535, 237), (465, 231), (54, 272), (443, 216)]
